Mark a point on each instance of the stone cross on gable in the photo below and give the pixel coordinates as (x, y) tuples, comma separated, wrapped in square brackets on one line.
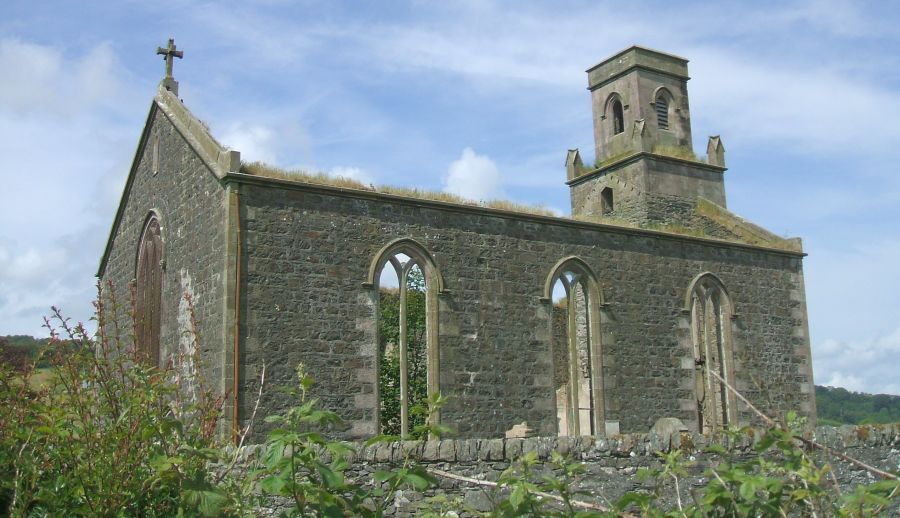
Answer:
[(169, 53)]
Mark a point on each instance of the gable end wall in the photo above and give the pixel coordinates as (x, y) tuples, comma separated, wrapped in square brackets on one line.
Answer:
[(190, 203)]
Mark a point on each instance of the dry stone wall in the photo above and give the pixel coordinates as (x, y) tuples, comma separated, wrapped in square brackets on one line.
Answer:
[(610, 464), (307, 251)]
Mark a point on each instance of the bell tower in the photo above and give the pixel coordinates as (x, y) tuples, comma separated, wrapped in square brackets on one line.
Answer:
[(645, 167), (639, 84)]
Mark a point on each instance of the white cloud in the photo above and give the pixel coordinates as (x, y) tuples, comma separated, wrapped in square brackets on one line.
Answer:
[(45, 81), (68, 125), (32, 279), (852, 289), (474, 176), (807, 107), (862, 366), (271, 142), (28, 265), (255, 142)]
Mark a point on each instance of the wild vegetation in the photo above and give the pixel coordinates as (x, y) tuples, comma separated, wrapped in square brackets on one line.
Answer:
[(18, 350), (389, 354), (107, 435), (268, 171), (836, 405)]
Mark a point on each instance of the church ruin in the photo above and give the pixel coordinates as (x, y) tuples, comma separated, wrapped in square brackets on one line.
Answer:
[(664, 291)]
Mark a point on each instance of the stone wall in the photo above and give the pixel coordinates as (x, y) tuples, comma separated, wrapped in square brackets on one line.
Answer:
[(307, 251), (610, 464), (190, 204)]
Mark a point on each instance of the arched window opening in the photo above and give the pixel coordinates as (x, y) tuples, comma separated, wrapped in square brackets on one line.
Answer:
[(662, 112), (148, 293), (618, 117), (606, 200), (407, 335), (710, 321), (576, 365)]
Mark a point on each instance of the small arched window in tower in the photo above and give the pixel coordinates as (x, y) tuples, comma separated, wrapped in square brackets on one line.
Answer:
[(148, 293), (606, 200), (618, 117), (662, 112)]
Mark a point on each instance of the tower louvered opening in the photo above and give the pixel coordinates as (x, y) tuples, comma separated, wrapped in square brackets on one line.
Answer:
[(662, 112)]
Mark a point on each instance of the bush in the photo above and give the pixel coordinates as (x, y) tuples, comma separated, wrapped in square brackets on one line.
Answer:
[(105, 435)]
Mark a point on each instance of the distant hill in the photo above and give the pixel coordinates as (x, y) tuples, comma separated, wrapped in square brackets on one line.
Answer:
[(835, 405)]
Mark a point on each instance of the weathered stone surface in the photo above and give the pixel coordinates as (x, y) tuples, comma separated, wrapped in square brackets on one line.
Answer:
[(189, 201), (319, 243), (278, 274)]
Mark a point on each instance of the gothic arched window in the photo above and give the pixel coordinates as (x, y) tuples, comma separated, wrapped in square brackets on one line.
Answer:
[(148, 292), (711, 312), (575, 332), (618, 117), (407, 282)]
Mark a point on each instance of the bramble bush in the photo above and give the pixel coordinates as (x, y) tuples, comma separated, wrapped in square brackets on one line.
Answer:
[(107, 435), (104, 435)]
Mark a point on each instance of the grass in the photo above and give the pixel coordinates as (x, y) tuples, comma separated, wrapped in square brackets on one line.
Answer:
[(682, 152), (40, 377), (268, 171), (615, 158)]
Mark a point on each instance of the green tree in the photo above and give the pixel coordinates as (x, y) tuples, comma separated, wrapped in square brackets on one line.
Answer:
[(389, 353)]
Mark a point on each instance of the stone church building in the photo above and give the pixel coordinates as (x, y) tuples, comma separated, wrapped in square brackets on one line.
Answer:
[(667, 292)]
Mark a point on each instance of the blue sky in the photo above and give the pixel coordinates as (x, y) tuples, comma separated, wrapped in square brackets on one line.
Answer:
[(480, 98)]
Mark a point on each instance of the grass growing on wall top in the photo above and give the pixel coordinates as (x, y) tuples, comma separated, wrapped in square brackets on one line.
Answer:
[(264, 170), (268, 171)]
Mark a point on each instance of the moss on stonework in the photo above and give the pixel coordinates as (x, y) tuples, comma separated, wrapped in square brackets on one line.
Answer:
[(746, 234), (682, 152), (265, 170), (598, 164)]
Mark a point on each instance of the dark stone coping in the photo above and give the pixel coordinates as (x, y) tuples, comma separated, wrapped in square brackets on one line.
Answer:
[(634, 157), (587, 448)]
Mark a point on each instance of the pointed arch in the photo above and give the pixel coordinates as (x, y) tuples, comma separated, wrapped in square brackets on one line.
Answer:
[(418, 258), (711, 311), (407, 246), (663, 102), (577, 364), (148, 290), (616, 109)]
